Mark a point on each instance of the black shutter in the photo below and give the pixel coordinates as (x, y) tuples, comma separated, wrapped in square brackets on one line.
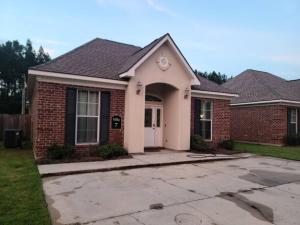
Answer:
[(70, 116), (289, 121), (104, 117), (197, 112), (298, 119)]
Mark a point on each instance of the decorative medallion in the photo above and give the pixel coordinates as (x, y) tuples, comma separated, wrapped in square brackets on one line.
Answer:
[(163, 63)]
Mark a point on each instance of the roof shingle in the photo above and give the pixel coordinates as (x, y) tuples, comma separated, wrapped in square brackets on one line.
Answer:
[(207, 85), (98, 58), (255, 86), (108, 59)]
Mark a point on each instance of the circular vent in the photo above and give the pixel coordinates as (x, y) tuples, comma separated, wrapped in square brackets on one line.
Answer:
[(163, 63)]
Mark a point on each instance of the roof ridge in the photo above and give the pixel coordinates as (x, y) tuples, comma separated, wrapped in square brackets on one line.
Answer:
[(118, 42), (266, 85), (268, 73), (136, 52), (150, 43)]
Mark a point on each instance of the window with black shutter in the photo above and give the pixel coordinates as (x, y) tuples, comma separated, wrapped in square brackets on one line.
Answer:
[(292, 121), (87, 117)]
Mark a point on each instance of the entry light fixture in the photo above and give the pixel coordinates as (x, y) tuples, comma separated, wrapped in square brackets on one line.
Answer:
[(139, 87), (186, 92)]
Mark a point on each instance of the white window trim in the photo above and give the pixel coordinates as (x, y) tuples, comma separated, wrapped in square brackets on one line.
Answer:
[(98, 123), (209, 120), (296, 121)]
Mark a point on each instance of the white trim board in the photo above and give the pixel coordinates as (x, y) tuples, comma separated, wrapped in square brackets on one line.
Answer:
[(76, 77), (265, 102), (80, 83), (131, 71), (211, 94)]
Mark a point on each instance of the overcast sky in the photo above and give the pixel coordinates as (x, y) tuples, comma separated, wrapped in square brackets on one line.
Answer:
[(227, 36)]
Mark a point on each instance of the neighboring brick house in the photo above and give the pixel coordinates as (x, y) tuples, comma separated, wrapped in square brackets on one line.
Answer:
[(267, 109), (110, 92)]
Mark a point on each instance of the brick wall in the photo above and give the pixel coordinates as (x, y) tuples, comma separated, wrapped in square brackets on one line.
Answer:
[(262, 124), (48, 116), (220, 120)]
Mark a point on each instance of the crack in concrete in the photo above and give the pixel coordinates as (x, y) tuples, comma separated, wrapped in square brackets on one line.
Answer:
[(256, 209), (182, 203), (190, 201), (137, 220), (179, 187)]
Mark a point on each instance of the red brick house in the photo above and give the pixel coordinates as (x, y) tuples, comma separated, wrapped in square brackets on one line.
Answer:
[(110, 92), (267, 109)]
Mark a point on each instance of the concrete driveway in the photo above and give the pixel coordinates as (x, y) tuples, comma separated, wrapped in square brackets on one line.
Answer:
[(256, 190)]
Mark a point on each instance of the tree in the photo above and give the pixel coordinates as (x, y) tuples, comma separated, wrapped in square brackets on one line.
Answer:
[(15, 59), (42, 57), (213, 76)]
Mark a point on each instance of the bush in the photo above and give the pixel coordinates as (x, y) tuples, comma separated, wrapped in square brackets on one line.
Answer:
[(198, 144), (111, 151), (56, 151), (292, 140), (227, 144)]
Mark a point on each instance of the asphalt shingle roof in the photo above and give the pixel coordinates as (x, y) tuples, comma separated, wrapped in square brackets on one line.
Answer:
[(98, 58), (207, 85), (108, 59), (255, 86)]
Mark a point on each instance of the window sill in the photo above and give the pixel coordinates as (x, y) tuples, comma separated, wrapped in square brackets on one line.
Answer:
[(84, 144)]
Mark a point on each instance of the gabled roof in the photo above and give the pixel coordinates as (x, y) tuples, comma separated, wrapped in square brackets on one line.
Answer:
[(98, 58), (133, 59), (107, 59), (207, 85), (258, 86)]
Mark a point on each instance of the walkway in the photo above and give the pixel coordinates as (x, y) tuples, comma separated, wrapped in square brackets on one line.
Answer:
[(162, 158)]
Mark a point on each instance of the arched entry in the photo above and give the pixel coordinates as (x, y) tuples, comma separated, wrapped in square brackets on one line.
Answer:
[(155, 126)]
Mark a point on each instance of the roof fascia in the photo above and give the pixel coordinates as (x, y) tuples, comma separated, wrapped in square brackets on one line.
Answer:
[(75, 77), (266, 102), (197, 93)]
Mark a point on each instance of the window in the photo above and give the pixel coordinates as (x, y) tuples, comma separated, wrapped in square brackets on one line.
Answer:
[(206, 120), (87, 117), (293, 121), (148, 117), (152, 98), (157, 117)]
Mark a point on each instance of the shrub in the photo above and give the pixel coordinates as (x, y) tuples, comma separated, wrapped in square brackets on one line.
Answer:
[(227, 144), (292, 140), (56, 151), (198, 144), (111, 151)]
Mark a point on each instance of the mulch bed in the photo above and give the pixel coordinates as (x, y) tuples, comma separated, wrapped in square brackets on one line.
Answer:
[(80, 159), (215, 151)]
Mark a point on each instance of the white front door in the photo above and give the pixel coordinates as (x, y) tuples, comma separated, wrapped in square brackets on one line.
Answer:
[(153, 126)]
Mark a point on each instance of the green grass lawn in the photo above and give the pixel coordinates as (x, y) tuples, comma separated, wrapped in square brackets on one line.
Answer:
[(274, 151), (21, 196)]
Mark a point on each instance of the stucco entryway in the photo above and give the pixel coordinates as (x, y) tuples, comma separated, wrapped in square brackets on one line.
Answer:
[(152, 90)]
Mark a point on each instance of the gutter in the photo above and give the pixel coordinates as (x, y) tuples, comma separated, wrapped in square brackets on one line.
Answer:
[(215, 93), (266, 102)]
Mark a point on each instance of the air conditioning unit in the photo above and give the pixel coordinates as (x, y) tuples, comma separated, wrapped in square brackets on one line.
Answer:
[(12, 138)]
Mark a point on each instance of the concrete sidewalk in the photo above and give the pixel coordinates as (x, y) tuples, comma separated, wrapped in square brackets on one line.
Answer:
[(162, 158)]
